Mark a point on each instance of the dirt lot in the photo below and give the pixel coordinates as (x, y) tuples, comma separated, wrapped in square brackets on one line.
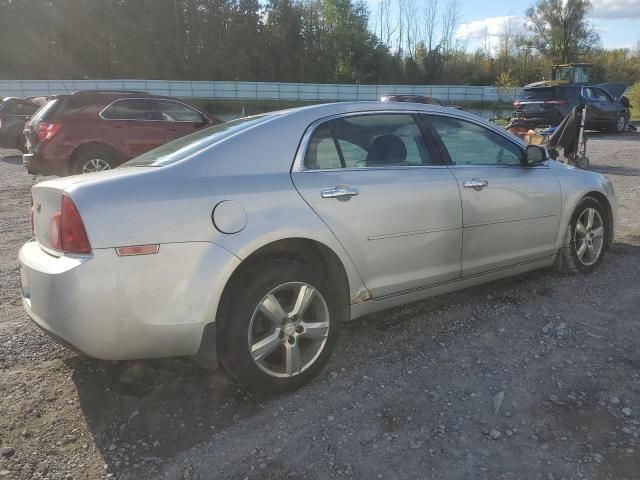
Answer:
[(533, 377)]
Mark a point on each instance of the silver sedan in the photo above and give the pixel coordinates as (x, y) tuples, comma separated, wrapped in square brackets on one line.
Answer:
[(249, 243)]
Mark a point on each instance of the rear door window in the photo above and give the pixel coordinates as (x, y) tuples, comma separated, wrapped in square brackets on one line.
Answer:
[(131, 109), (47, 109), (361, 141), (177, 112)]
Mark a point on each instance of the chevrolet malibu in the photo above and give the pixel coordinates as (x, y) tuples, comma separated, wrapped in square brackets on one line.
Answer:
[(250, 242)]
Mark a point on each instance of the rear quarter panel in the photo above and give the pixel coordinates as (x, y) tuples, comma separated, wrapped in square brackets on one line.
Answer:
[(174, 203)]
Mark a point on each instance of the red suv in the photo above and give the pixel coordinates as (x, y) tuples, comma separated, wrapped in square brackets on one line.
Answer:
[(88, 131)]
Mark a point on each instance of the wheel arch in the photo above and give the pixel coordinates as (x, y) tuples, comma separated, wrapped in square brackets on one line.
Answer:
[(85, 146), (604, 201), (297, 249)]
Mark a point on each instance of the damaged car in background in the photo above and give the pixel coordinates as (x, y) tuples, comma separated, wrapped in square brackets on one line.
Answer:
[(547, 105), (14, 114)]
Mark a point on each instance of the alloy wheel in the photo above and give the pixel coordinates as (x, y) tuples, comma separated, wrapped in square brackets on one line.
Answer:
[(620, 124), (288, 329), (589, 236), (95, 165)]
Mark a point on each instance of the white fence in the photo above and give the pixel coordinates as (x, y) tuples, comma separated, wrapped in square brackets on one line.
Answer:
[(257, 90)]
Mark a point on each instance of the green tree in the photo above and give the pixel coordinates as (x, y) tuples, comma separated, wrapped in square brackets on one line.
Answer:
[(560, 28)]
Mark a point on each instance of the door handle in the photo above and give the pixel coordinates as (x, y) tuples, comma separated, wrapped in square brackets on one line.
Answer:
[(475, 183), (339, 192)]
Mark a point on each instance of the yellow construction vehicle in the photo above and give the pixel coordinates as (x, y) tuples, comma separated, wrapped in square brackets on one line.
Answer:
[(570, 73)]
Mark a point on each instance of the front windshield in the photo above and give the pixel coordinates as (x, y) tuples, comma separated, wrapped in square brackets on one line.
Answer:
[(563, 73), (183, 147)]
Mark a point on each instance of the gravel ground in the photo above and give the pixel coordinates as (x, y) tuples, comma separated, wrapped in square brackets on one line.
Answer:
[(533, 377)]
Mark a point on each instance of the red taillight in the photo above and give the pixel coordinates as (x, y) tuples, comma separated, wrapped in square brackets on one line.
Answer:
[(47, 130), (66, 229)]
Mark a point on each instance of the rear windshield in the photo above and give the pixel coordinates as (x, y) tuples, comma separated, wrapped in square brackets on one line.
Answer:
[(538, 94), (185, 146), (549, 93), (44, 110), (20, 108)]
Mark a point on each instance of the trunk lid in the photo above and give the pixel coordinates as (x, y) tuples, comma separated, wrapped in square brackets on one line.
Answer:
[(47, 199)]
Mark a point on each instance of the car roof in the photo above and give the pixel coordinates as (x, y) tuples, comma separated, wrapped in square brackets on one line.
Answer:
[(320, 111)]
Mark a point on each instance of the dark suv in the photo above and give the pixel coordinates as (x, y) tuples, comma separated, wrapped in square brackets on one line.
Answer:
[(14, 113), (88, 131), (548, 105)]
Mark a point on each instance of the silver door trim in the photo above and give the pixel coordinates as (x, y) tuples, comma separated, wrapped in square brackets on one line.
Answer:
[(380, 303), (417, 232), (483, 224), (462, 278)]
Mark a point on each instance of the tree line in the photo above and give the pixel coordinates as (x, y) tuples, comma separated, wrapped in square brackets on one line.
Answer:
[(319, 41)]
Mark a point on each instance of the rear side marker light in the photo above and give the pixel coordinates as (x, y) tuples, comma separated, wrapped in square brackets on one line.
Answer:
[(137, 250)]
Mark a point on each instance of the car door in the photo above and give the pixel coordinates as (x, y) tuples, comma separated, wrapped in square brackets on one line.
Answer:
[(133, 124), (379, 188), (179, 119), (606, 108), (510, 212)]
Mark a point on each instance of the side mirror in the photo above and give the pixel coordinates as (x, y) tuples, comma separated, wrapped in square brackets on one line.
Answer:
[(534, 154)]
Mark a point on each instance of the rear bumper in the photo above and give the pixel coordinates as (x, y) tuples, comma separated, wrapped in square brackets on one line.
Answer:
[(34, 163), (48, 158), (123, 308), (537, 120)]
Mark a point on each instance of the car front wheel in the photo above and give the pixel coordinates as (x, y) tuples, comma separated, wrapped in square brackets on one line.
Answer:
[(278, 325), (585, 238), (621, 123)]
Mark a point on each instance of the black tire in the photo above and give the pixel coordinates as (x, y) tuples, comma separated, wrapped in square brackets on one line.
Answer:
[(568, 259), (237, 309), (86, 157), (621, 123)]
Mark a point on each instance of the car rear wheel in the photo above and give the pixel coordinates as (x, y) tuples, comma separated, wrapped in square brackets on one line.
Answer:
[(93, 160), (621, 123), (278, 325), (585, 238)]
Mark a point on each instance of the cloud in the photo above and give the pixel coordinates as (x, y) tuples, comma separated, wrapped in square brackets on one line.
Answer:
[(487, 31), (490, 26), (615, 9)]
